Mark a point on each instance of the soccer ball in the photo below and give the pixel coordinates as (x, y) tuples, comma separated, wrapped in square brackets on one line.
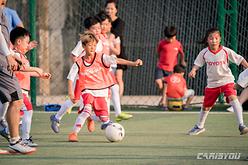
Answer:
[(114, 132)]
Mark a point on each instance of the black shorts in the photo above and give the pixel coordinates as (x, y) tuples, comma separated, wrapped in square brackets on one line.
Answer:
[(160, 73)]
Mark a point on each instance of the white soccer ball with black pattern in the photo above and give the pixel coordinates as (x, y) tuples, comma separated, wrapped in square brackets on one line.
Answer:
[(114, 132)]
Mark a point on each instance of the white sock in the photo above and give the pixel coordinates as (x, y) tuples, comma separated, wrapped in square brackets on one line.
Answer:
[(237, 107), (13, 140), (62, 111), (3, 110), (95, 118), (80, 121), (202, 118), (116, 99), (26, 124)]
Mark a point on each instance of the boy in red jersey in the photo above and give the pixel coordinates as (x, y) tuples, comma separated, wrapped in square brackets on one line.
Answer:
[(20, 38), (177, 88), (94, 82), (168, 50)]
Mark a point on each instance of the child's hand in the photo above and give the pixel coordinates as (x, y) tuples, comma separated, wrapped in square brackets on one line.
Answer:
[(32, 44), (138, 62), (46, 75), (72, 97), (192, 73)]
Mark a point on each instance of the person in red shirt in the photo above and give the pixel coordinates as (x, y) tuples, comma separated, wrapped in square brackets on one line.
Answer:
[(168, 50), (177, 88)]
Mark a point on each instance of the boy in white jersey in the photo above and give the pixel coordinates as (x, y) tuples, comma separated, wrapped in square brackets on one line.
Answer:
[(219, 78), (112, 46), (242, 83), (93, 83)]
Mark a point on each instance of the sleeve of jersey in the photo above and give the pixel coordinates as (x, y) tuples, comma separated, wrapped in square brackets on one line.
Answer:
[(16, 19), (78, 50), (109, 60), (73, 72), (234, 57), (243, 79), (200, 61)]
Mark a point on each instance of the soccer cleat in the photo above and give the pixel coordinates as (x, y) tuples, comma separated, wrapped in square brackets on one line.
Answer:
[(243, 129), (90, 125), (73, 137), (29, 142), (230, 109), (123, 116), (54, 124), (22, 148), (5, 134), (196, 130), (104, 126)]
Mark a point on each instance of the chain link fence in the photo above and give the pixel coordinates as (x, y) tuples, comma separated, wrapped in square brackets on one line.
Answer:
[(60, 21)]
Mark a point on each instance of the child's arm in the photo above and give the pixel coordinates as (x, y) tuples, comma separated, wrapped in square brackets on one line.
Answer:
[(192, 73), (244, 63), (122, 61), (36, 72)]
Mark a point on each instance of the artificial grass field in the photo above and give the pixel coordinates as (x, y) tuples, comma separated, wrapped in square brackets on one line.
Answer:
[(152, 138)]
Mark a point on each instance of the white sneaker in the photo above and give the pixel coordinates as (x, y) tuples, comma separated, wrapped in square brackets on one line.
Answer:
[(230, 109), (21, 147), (196, 130), (29, 142)]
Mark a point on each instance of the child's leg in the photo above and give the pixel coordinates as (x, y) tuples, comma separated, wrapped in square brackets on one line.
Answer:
[(26, 123), (243, 96), (203, 116), (3, 110), (237, 107), (116, 99), (190, 93), (82, 118), (62, 111)]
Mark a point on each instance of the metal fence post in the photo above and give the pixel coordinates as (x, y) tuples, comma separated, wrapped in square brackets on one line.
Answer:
[(32, 26)]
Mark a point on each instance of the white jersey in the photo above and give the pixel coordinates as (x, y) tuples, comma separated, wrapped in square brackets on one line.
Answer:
[(73, 74), (218, 71), (243, 79), (79, 50)]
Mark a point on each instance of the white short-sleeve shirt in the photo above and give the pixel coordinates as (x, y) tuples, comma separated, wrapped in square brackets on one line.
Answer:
[(218, 71), (243, 79)]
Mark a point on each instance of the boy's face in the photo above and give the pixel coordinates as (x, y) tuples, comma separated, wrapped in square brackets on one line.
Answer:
[(21, 44), (96, 29), (106, 26), (90, 48)]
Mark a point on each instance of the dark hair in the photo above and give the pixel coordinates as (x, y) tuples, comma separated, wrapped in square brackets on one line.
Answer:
[(209, 31), (90, 21), (170, 31), (179, 69), (111, 1), (17, 33), (102, 16)]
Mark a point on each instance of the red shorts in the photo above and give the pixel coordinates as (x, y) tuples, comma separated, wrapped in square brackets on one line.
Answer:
[(211, 94), (99, 104)]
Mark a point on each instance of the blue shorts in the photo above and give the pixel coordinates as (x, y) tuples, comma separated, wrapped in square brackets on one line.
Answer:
[(160, 73)]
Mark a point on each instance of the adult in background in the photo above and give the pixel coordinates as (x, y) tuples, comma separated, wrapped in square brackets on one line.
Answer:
[(12, 17), (10, 90), (117, 29)]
